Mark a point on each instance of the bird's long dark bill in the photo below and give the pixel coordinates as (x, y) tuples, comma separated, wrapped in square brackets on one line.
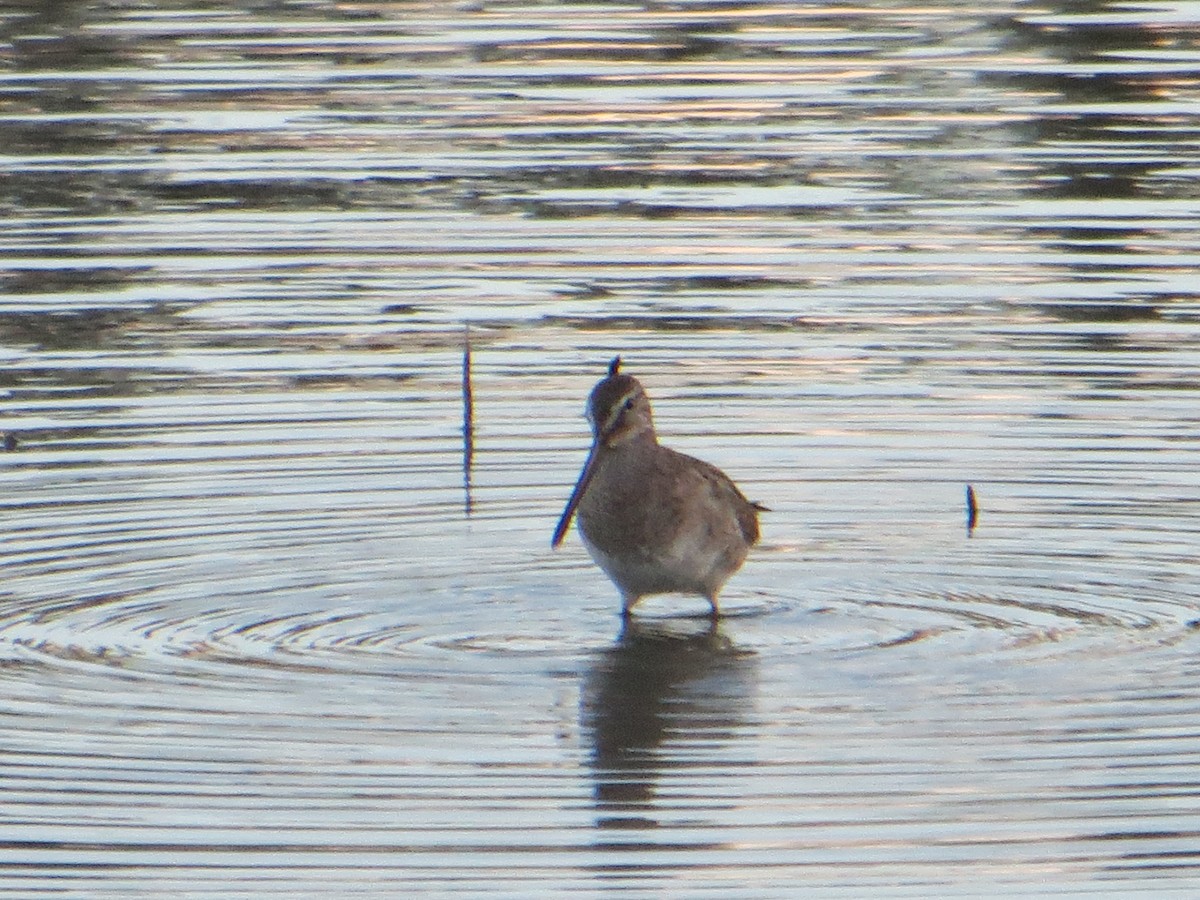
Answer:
[(580, 486)]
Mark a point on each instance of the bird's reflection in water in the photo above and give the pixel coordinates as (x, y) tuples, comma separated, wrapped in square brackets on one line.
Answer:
[(664, 696)]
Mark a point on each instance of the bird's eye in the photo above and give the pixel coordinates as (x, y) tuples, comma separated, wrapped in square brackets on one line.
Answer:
[(628, 404)]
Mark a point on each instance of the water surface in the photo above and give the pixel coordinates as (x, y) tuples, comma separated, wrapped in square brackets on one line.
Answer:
[(264, 632)]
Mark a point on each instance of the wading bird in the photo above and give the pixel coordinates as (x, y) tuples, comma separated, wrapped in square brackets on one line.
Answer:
[(655, 520)]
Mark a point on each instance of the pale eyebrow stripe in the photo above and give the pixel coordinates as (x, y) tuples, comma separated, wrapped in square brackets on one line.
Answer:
[(617, 408)]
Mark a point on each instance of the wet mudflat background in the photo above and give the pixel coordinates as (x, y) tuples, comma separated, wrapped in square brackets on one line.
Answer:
[(264, 633)]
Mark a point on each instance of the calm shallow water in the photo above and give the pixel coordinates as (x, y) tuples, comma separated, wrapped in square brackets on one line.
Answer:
[(263, 633)]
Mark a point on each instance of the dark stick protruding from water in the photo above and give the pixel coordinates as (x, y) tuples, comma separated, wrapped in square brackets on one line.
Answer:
[(468, 419), (972, 510)]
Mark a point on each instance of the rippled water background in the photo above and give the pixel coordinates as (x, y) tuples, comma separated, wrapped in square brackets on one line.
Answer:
[(264, 633)]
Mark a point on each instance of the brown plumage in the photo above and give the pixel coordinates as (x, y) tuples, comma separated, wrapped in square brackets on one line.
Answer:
[(655, 520)]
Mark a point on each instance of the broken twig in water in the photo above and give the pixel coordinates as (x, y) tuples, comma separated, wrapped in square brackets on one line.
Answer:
[(468, 400)]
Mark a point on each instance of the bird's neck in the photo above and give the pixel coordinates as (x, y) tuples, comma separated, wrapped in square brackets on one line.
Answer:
[(631, 438)]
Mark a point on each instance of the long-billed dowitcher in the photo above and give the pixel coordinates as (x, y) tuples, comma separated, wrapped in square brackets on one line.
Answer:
[(655, 520)]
